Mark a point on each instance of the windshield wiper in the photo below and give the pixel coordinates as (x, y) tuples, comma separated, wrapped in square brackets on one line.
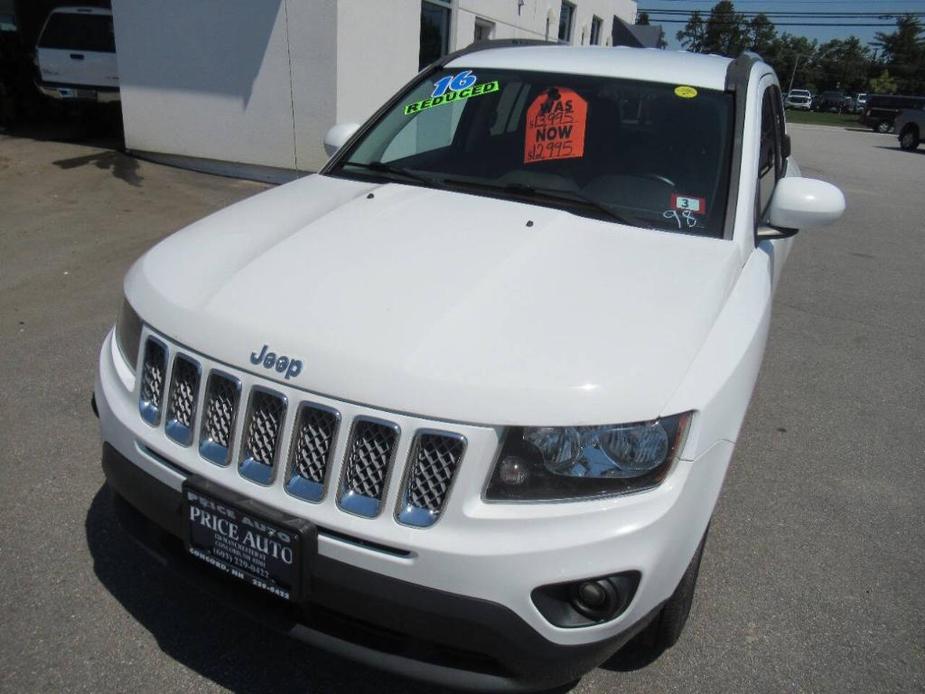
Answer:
[(567, 195), (382, 167), (558, 194)]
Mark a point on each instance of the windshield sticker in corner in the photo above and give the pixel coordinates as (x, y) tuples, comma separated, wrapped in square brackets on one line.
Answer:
[(555, 126), (453, 88), (685, 92), (692, 204)]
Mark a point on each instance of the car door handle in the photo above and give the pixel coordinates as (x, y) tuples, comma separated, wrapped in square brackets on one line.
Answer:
[(77, 56)]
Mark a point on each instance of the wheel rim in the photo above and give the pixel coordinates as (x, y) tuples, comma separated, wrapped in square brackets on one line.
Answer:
[(907, 139)]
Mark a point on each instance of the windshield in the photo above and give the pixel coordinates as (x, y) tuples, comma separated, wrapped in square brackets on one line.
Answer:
[(79, 32), (649, 154)]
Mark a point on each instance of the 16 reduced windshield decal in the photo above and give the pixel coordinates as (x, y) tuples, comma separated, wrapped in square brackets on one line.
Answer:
[(452, 88)]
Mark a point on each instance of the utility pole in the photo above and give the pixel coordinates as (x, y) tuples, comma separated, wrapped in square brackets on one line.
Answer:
[(794, 73)]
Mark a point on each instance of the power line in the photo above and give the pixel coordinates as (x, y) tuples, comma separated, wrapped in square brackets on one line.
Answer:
[(860, 13), (656, 20)]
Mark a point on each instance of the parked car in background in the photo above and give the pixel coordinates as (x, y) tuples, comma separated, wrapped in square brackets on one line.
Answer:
[(910, 124), (830, 102), (881, 110), (860, 103), (799, 99), (76, 55)]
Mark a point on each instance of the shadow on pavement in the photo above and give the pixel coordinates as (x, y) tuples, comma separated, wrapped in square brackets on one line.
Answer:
[(897, 148), (93, 125), (205, 636), (122, 166), (633, 656)]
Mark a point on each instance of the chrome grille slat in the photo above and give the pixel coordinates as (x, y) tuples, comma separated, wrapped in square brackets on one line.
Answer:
[(369, 458), (435, 457), (314, 439), (262, 435), (220, 411), (153, 371), (181, 405)]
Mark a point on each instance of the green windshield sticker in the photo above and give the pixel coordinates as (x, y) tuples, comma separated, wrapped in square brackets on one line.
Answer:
[(451, 96)]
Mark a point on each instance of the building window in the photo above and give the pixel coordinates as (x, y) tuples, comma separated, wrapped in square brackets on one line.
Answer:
[(566, 18), (596, 25), (435, 32), (484, 30)]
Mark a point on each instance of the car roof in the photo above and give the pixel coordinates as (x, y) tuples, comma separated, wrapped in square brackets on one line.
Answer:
[(81, 10), (647, 64)]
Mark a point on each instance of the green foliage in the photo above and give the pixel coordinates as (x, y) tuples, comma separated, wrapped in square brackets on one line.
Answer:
[(883, 84), (903, 52), (761, 34), (845, 64), (692, 35), (726, 31)]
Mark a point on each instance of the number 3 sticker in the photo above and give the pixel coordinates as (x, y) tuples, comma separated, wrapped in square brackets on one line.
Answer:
[(692, 204)]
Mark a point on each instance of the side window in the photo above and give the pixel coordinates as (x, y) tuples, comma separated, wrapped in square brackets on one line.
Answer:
[(770, 161)]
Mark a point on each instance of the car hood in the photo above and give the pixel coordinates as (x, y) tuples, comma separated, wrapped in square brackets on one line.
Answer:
[(441, 304)]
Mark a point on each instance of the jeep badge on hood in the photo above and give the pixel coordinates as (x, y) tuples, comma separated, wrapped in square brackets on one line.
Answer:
[(282, 364)]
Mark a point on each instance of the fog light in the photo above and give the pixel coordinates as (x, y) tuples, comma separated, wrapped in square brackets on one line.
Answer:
[(596, 600), (513, 471), (586, 602), (592, 594)]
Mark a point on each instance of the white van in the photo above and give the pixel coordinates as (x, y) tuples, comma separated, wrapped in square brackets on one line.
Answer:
[(76, 55)]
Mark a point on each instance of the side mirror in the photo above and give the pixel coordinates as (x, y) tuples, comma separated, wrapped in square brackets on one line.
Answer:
[(802, 203), (337, 136)]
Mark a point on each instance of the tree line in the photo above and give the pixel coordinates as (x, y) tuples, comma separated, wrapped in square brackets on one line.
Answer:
[(893, 63)]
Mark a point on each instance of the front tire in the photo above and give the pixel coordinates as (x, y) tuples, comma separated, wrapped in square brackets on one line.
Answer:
[(909, 138), (666, 627), (884, 126)]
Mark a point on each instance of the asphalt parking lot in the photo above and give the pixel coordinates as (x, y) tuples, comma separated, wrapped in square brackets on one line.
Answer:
[(812, 575)]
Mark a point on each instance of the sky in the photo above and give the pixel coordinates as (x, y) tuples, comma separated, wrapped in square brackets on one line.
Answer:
[(822, 34)]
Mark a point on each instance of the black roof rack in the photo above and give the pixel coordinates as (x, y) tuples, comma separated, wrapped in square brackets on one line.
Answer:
[(487, 45), (739, 69)]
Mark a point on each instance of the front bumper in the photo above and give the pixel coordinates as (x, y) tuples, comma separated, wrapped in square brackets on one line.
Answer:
[(444, 638), (79, 92), (478, 554)]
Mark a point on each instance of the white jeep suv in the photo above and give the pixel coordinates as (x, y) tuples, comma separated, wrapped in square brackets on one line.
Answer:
[(460, 405)]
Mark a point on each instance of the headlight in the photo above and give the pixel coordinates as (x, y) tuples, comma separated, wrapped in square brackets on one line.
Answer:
[(557, 463), (128, 333)]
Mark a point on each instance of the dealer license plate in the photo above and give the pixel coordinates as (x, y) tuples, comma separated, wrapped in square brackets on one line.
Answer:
[(247, 540)]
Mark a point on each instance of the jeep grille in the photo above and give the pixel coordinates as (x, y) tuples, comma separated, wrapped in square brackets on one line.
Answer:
[(152, 381), (315, 434), (433, 462), (261, 442), (221, 407), (253, 436), (369, 456), (181, 407)]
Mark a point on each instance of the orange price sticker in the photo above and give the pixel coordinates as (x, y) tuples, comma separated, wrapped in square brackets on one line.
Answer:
[(555, 126)]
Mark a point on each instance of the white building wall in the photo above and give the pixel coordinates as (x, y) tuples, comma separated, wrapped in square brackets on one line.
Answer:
[(537, 19), (377, 52), (206, 78), (606, 10), (259, 82), (313, 34)]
